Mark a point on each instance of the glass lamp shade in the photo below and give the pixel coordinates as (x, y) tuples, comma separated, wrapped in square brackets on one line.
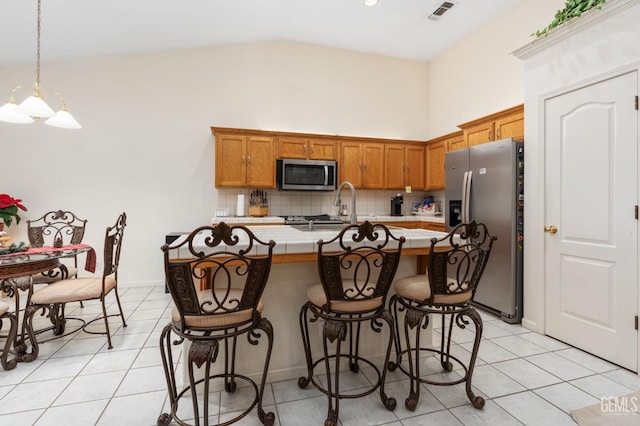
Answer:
[(8, 114), (370, 2), (64, 120), (35, 106)]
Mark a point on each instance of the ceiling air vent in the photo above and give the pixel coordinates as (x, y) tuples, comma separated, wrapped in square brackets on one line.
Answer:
[(440, 10)]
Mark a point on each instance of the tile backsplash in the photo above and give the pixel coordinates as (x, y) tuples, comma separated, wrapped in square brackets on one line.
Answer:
[(284, 203)]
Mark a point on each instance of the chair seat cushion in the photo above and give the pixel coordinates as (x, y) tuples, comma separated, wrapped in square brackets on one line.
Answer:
[(4, 307), (417, 288), (317, 296), (219, 319), (41, 278), (72, 290)]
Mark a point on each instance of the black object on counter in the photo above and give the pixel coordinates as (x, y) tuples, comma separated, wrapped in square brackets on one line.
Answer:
[(396, 205)]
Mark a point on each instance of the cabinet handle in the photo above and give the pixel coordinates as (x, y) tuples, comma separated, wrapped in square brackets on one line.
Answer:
[(498, 133), (312, 149), (242, 161), (304, 149), (490, 135), (365, 165), (360, 165), (248, 160)]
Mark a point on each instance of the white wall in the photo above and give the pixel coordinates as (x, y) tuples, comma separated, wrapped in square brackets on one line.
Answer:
[(479, 76), (146, 147)]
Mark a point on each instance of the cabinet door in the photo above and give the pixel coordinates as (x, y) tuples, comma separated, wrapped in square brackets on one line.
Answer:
[(414, 171), (261, 162), (479, 134), (292, 147), (456, 143), (394, 166), (510, 127), (320, 149), (373, 165), (435, 164), (230, 161), (350, 167)]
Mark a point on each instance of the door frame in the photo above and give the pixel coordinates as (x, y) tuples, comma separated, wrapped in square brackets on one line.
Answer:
[(534, 285)]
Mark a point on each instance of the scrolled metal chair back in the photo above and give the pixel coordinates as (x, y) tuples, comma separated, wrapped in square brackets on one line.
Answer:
[(56, 228), (365, 256), (223, 259), (457, 261), (113, 245)]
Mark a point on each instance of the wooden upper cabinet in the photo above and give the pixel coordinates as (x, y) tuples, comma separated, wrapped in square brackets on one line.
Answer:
[(404, 166), (362, 164), (504, 124), (373, 165), (231, 155), (306, 148), (261, 162), (415, 175), (322, 149), (244, 160), (436, 150), (350, 166)]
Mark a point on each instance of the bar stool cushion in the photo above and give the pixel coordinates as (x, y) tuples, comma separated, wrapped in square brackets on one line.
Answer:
[(4, 307), (318, 297), (205, 299), (417, 288), (72, 290)]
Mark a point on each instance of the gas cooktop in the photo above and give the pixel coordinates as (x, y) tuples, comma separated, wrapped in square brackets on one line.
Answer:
[(317, 219)]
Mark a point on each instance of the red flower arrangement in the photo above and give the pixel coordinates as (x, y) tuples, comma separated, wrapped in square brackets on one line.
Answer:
[(9, 209)]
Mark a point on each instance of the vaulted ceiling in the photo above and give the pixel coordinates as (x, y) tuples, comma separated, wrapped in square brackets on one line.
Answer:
[(85, 28)]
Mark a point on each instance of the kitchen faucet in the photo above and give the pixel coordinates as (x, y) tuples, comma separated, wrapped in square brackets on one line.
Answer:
[(336, 202)]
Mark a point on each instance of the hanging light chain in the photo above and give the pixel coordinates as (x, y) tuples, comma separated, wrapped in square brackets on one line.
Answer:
[(38, 51)]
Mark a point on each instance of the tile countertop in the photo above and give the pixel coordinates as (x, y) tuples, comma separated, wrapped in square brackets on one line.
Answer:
[(275, 220), (290, 240)]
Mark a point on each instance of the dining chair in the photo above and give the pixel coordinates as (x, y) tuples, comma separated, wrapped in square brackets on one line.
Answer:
[(85, 288), (5, 314), (232, 265), (455, 267), (56, 228), (356, 270)]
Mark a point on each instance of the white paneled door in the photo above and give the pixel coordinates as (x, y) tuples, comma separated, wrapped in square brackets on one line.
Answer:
[(591, 241)]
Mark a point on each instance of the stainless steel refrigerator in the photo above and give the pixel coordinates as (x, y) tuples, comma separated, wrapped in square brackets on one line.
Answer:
[(485, 183)]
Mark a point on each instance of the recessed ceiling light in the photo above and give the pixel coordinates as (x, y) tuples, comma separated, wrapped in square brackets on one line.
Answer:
[(370, 2)]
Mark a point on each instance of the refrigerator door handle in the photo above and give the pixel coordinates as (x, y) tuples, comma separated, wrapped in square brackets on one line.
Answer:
[(463, 203), (467, 198)]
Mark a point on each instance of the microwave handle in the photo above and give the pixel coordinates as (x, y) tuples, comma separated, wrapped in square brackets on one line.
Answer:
[(326, 175)]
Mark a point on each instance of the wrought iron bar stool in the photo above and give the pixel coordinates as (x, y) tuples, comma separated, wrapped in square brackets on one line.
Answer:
[(356, 270), (456, 264), (233, 266), (7, 363)]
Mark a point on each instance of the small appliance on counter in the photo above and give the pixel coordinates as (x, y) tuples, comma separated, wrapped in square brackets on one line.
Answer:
[(396, 205)]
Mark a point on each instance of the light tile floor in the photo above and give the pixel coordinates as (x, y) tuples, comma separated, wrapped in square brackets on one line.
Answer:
[(525, 378)]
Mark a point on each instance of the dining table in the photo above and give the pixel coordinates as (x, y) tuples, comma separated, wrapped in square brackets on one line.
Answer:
[(16, 272)]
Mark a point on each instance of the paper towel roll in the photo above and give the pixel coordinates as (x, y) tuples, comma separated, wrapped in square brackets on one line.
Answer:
[(240, 205)]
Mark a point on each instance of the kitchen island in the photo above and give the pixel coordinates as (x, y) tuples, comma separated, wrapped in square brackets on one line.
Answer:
[(294, 270)]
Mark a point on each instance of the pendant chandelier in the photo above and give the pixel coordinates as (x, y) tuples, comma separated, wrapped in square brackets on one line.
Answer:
[(34, 107)]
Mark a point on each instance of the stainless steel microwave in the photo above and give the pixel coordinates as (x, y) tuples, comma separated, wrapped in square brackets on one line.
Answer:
[(306, 175)]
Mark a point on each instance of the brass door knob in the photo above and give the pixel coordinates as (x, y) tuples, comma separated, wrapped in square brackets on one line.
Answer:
[(551, 229)]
